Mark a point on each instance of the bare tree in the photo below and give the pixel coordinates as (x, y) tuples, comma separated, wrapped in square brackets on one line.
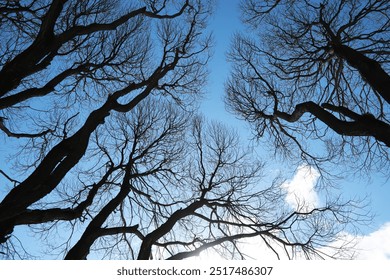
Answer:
[(67, 65), (316, 70), (167, 185)]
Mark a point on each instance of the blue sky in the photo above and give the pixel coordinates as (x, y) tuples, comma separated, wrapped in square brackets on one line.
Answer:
[(223, 24)]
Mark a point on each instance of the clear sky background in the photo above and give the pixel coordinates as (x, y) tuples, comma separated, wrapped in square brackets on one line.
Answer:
[(375, 239), (374, 242)]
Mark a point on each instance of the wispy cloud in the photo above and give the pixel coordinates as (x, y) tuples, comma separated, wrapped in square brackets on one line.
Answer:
[(376, 245), (373, 246), (300, 192)]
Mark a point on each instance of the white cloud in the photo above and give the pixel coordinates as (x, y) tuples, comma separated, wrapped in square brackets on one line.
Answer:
[(300, 189), (374, 246)]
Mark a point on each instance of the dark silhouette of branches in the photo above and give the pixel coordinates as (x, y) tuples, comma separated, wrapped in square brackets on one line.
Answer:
[(316, 71), (106, 49), (165, 184), (173, 186)]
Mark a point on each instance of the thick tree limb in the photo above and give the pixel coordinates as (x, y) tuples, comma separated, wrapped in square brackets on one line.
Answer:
[(20, 135), (37, 56), (16, 98), (369, 69), (363, 125), (38, 216), (151, 238), (81, 249), (197, 251)]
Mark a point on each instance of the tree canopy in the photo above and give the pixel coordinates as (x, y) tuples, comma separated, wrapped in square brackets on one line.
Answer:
[(313, 70), (67, 65), (108, 157)]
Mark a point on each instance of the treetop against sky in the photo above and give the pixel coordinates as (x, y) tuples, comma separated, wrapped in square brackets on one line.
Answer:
[(171, 129)]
